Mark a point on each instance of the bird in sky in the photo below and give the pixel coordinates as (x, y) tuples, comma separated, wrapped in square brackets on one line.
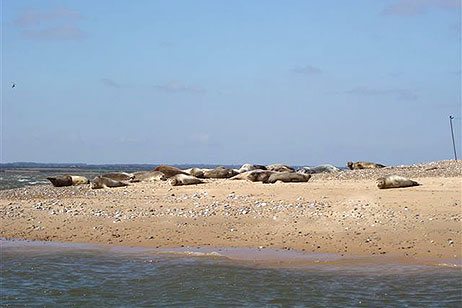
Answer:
[(13, 85)]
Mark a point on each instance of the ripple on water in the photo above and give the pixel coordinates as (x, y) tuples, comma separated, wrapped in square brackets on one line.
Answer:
[(63, 275)]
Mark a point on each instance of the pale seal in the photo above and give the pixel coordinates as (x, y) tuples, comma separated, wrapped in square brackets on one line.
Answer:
[(169, 171), (318, 169), (363, 165), (249, 167), (254, 175), (395, 181), (119, 176), (220, 173), (184, 179), (102, 182), (79, 180), (149, 176), (287, 177), (280, 168)]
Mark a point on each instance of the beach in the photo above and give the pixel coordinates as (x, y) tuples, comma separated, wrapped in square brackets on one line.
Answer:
[(341, 213)]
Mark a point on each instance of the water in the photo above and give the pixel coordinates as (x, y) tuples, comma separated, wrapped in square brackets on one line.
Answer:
[(22, 177), (67, 275), (19, 178)]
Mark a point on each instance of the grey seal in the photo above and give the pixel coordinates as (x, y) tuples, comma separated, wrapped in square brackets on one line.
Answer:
[(169, 171), (280, 168), (363, 165), (395, 181), (102, 182), (318, 169), (220, 173), (287, 177), (119, 176), (184, 179)]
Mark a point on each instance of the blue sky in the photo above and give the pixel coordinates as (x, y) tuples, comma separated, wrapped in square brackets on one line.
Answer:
[(298, 82)]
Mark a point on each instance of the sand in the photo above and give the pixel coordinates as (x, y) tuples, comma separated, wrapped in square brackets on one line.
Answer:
[(342, 213)]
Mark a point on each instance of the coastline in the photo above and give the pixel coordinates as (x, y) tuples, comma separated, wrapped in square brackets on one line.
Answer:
[(336, 214), (265, 257)]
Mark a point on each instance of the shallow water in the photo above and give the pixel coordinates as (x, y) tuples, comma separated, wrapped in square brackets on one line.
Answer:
[(86, 276)]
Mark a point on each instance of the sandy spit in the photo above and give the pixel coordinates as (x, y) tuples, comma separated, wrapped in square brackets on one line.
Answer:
[(340, 213)]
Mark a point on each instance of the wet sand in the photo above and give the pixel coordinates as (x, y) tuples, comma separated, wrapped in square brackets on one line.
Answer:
[(338, 214)]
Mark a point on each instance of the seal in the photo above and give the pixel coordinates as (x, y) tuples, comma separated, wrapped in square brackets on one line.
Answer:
[(119, 176), (280, 168), (197, 172), (79, 180), (102, 182), (169, 171), (254, 175), (318, 169), (363, 165), (148, 176), (287, 177), (60, 181), (220, 173), (249, 167), (184, 179), (395, 181)]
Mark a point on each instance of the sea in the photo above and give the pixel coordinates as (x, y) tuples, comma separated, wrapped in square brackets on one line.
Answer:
[(41, 274), (46, 274), (22, 175)]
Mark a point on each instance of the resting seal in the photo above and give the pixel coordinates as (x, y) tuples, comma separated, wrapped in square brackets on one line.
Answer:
[(119, 176), (254, 175), (280, 168), (184, 179), (318, 169), (102, 182), (148, 176), (395, 181), (60, 181), (169, 171), (197, 172), (249, 167), (220, 173), (363, 165), (68, 180), (287, 177), (79, 180)]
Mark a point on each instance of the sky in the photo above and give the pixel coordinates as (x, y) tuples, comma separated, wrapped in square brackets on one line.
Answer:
[(230, 82)]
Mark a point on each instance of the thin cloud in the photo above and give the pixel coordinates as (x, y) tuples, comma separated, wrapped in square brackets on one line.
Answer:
[(110, 83), (178, 86), (66, 32), (54, 24), (307, 70), (202, 138), (417, 7), (402, 94), (30, 16)]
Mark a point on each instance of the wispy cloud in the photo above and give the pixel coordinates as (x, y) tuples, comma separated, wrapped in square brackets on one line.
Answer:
[(402, 94), (416, 7), (178, 86), (30, 16), (110, 83), (202, 138), (65, 32), (53, 24), (307, 70)]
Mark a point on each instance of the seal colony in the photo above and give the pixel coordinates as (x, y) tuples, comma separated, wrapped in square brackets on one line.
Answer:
[(269, 174)]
